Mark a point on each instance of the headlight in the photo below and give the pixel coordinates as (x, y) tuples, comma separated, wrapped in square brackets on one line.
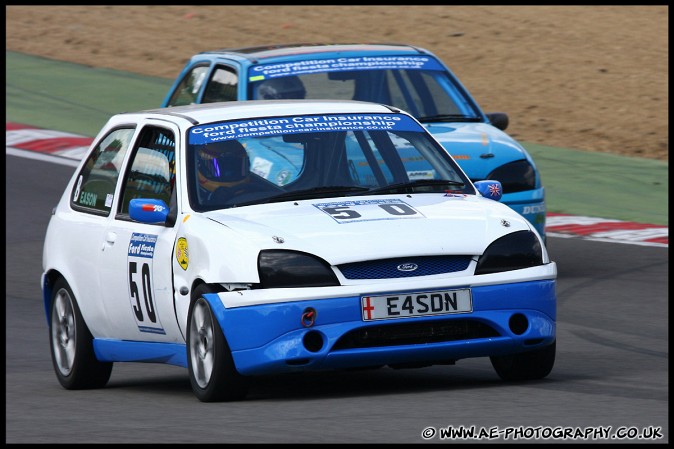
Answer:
[(515, 176), (280, 268), (520, 249)]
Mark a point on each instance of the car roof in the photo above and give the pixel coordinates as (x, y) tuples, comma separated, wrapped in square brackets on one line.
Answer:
[(233, 110), (258, 53)]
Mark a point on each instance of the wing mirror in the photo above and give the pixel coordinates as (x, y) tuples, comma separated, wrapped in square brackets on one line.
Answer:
[(148, 210), (499, 120), (490, 189)]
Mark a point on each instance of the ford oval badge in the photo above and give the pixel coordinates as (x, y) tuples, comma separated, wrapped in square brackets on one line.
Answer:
[(407, 267)]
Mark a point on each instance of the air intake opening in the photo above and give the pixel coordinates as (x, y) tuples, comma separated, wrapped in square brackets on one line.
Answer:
[(414, 333), (518, 324), (313, 341)]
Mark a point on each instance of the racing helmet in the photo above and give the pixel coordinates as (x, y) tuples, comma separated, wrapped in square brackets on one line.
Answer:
[(286, 87), (222, 164)]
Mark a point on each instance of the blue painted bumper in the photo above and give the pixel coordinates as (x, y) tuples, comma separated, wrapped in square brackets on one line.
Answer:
[(269, 339)]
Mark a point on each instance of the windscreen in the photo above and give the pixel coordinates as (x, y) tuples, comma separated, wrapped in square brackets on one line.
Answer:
[(286, 158), (418, 84)]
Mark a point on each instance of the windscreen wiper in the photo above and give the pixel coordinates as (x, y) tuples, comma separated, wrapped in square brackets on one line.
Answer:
[(314, 192), (449, 118), (410, 187)]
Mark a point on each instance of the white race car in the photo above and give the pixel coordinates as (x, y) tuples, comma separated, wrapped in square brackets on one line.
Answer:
[(248, 238)]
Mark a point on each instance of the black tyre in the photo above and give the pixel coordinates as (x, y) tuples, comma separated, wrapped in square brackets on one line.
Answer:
[(71, 343), (527, 365), (213, 376)]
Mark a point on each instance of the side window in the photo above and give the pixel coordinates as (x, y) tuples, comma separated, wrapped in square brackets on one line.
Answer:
[(188, 89), (151, 173), (94, 189), (222, 86)]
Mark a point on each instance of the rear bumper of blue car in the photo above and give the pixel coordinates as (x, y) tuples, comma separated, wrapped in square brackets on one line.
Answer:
[(273, 338)]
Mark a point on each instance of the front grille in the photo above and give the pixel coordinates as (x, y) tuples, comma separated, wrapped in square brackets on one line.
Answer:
[(400, 267), (412, 333)]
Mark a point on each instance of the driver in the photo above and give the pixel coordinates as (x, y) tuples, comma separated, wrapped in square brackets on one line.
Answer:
[(223, 165), (286, 87)]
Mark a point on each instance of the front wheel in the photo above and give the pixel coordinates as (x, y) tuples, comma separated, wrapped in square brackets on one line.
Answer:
[(530, 365), (213, 376), (71, 344)]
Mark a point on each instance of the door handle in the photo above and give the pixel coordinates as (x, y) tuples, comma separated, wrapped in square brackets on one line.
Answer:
[(110, 238)]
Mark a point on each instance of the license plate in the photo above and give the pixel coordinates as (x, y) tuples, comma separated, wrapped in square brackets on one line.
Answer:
[(406, 305)]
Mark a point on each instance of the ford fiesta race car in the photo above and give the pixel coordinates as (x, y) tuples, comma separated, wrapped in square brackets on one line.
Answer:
[(407, 77), (263, 237)]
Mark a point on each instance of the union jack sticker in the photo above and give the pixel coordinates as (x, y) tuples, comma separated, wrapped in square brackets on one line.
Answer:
[(494, 190)]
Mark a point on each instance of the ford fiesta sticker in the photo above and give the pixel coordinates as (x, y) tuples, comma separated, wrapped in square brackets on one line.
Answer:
[(265, 71), (368, 210), (271, 126)]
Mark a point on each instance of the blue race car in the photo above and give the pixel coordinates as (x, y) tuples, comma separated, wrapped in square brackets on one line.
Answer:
[(403, 76)]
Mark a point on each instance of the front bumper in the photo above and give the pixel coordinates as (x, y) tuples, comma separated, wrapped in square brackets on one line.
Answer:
[(270, 338)]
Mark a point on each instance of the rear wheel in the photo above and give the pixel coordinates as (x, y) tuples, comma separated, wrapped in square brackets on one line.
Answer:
[(213, 376), (71, 344), (530, 365)]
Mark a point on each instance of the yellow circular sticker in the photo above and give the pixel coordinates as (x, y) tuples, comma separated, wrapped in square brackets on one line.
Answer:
[(182, 254)]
